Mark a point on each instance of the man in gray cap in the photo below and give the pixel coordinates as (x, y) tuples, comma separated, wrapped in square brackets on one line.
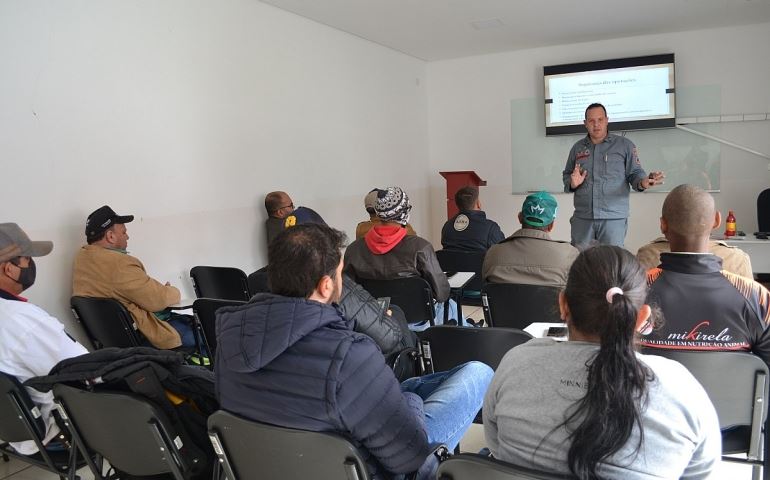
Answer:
[(363, 227), (31, 341)]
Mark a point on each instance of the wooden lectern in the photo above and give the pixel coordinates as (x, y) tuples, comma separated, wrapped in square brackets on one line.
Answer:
[(454, 182)]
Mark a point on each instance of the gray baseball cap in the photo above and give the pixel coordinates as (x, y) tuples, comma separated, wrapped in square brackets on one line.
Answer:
[(15, 243)]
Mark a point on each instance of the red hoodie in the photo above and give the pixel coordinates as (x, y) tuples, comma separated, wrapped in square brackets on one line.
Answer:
[(383, 238)]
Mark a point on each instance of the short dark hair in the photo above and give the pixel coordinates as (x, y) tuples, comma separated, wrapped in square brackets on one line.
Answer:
[(595, 105), (273, 202), (299, 257), (466, 197), (95, 238)]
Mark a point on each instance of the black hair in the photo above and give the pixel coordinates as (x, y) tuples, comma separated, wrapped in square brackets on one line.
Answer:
[(466, 197), (299, 257), (595, 105), (617, 380), (100, 235)]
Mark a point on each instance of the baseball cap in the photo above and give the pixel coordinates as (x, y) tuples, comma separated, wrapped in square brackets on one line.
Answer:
[(370, 200), (15, 243), (302, 215), (539, 209), (102, 219)]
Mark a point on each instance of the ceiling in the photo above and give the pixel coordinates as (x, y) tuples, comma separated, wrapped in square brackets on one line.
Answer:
[(443, 29)]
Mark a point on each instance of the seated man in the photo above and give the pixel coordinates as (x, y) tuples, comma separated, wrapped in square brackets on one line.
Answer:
[(530, 256), (31, 341), (290, 358), (386, 252), (704, 307), (363, 227), (103, 268), (281, 214), (734, 259), (470, 230)]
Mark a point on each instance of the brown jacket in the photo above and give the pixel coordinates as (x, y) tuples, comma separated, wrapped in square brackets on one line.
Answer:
[(102, 272), (734, 260), (530, 257)]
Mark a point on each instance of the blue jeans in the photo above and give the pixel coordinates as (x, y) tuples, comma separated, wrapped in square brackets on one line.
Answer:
[(438, 319), (183, 325), (451, 400)]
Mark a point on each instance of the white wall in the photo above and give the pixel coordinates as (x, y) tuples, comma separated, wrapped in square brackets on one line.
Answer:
[(470, 128), (185, 113)]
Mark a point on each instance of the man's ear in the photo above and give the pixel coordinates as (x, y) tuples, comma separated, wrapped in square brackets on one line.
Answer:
[(325, 287), (717, 220), (521, 218), (663, 226), (550, 227)]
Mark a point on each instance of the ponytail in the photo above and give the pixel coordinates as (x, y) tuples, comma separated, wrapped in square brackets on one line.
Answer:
[(617, 380)]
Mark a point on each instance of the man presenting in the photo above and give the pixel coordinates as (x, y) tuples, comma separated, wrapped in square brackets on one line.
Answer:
[(601, 169)]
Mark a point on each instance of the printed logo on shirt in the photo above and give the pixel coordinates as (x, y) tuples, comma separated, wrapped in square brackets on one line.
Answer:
[(699, 338), (461, 222), (581, 155)]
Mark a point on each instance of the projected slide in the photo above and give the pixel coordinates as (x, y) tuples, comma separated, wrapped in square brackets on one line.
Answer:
[(635, 93)]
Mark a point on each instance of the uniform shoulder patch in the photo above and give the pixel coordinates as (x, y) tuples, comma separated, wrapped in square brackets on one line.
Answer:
[(461, 222)]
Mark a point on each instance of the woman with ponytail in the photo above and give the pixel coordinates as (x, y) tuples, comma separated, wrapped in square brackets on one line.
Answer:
[(593, 407)]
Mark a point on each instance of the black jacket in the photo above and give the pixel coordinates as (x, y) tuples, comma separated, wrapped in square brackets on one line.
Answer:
[(389, 332), (707, 308), (470, 231)]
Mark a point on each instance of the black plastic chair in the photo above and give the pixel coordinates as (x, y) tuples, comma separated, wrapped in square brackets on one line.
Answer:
[(737, 384), (257, 282), (456, 261), (20, 420), (253, 450), (446, 347), (205, 310), (468, 466), (518, 305), (226, 283), (130, 433), (412, 294), (106, 322), (763, 211)]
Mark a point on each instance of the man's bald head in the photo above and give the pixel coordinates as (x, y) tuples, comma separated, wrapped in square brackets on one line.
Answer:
[(688, 215)]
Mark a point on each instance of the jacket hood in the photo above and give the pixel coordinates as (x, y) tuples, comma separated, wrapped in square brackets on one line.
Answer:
[(383, 238), (251, 336)]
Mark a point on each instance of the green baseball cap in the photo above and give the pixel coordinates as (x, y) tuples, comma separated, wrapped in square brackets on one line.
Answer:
[(539, 209)]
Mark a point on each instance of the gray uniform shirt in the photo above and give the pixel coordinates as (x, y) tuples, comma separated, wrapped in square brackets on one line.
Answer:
[(613, 167), (537, 382)]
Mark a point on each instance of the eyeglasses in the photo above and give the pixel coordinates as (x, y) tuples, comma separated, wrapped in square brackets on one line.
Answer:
[(291, 205)]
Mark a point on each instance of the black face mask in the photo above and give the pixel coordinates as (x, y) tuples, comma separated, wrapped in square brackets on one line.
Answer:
[(27, 274)]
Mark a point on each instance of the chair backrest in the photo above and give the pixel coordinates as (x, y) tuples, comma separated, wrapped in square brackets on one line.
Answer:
[(517, 305), (258, 282), (205, 310), (475, 467), (455, 261), (763, 210), (451, 346), (129, 432), (226, 283), (20, 418), (737, 384), (412, 294), (253, 450), (106, 321)]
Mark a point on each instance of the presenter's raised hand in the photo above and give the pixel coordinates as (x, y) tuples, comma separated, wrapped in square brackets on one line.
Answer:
[(576, 178), (654, 178)]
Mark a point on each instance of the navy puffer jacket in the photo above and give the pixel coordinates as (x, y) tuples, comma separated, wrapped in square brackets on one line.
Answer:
[(297, 363)]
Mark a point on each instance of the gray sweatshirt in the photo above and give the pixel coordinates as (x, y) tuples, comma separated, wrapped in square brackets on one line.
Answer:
[(538, 382)]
